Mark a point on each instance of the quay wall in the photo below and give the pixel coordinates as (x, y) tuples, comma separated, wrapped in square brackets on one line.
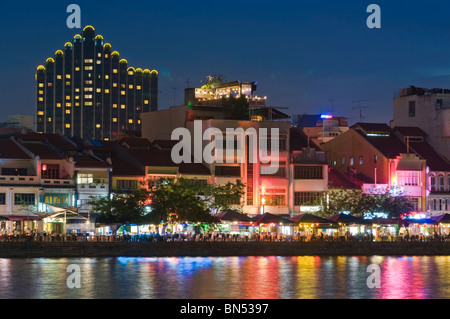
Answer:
[(218, 249)]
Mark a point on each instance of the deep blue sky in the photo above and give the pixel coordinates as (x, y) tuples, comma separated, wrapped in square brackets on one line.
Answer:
[(302, 53)]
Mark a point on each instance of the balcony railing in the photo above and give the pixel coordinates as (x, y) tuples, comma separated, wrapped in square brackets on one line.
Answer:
[(18, 179)]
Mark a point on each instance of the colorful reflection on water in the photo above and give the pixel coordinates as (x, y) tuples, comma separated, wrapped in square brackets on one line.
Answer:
[(227, 278)]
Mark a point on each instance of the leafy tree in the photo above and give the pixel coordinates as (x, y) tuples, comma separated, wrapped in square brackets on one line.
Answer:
[(222, 197), (213, 79), (122, 208), (237, 108), (357, 203), (179, 200)]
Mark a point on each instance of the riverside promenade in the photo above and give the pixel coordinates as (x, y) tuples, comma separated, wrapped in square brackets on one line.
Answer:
[(218, 249)]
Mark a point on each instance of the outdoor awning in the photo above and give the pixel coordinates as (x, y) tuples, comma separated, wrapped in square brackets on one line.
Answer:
[(442, 219), (233, 216), (311, 219), (268, 218), (348, 219), (22, 218)]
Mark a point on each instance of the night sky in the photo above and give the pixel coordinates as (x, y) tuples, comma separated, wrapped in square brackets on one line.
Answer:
[(302, 53)]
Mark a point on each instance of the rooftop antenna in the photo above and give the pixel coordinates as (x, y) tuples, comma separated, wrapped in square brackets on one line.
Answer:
[(360, 107), (332, 106), (174, 95)]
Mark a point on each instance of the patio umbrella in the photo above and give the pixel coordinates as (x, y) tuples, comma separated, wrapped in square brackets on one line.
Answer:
[(348, 219), (232, 216), (311, 219), (442, 219), (268, 218)]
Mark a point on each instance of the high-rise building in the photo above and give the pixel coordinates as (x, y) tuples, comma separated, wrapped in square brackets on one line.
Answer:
[(87, 91)]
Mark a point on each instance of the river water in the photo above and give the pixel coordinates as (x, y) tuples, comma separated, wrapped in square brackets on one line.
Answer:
[(225, 278)]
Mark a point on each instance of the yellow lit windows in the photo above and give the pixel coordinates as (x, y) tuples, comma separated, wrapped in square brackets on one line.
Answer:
[(77, 90), (106, 77), (49, 119), (59, 77), (89, 68), (67, 125), (68, 76), (106, 55), (130, 121), (58, 104), (77, 97), (138, 87), (77, 68), (106, 91), (41, 85), (68, 104), (49, 84), (122, 92), (77, 104), (130, 86), (67, 111), (99, 55), (99, 90), (88, 89), (99, 62), (145, 101), (138, 108), (41, 113), (106, 139), (114, 106), (114, 70), (139, 121), (97, 125), (114, 85), (88, 96), (88, 61), (68, 83), (114, 119), (122, 86), (122, 106), (88, 103), (67, 97), (88, 82), (41, 99), (130, 73), (41, 91)]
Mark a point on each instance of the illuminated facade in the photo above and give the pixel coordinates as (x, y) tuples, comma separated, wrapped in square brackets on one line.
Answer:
[(87, 91)]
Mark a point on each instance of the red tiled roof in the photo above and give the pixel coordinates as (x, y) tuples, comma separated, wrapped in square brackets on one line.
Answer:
[(41, 150), (390, 146), (87, 161), (9, 149), (336, 180), (124, 168), (410, 131), (299, 140), (434, 160)]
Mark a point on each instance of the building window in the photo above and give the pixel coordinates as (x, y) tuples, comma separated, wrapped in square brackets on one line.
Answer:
[(24, 199), (415, 203), (412, 108), (6, 171), (114, 120), (441, 183), (275, 200), (68, 76), (127, 184), (59, 77), (114, 106), (433, 183), (56, 199), (280, 173), (2, 199), (228, 171), (50, 171), (122, 106), (342, 161), (41, 85), (85, 178), (408, 178), (67, 125), (375, 159), (106, 91), (308, 172), (308, 198), (361, 160), (352, 161), (67, 111), (130, 121), (106, 77)]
